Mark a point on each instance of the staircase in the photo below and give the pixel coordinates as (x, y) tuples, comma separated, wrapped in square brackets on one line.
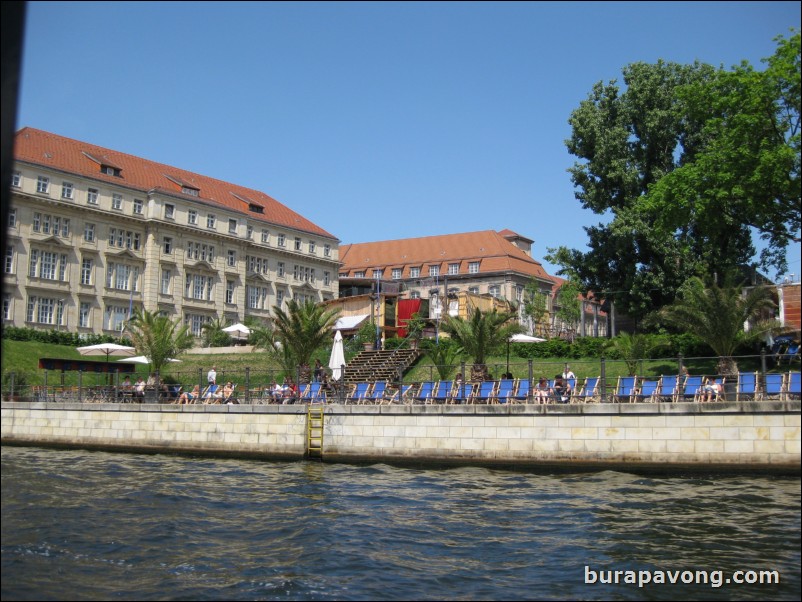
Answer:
[(370, 366)]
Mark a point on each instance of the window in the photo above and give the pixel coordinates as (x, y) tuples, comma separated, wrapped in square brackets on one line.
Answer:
[(249, 232), (6, 306), (297, 243), (45, 310), (281, 240), (9, 263), (494, 290), (280, 269), (396, 273), (280, 296), (192, 217), (474, 290), (122, 276), (42, 184), (327, 250), (167, 279), (232, 258), (414, 294), (138, 205), (115, 317), (86, 270), (257, 297), (167, 245), (16, 179), (414, 273), (359, 274), (434, 270), (125, 239), (89, 232), (47, 265), (453, 268), (65, 227), (190, 191), (266, 237), (200, 251), (92, 196), (326, 278), (378, 273), (232, 226), (12, 217), (195, 323), (116, 201), (229, 291), (211, 221), (311, 246), (473, 267), (66, 190), (169, 211), (198, 286), (83, 315)]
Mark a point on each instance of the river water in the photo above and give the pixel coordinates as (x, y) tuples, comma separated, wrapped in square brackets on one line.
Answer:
[(83, 525)]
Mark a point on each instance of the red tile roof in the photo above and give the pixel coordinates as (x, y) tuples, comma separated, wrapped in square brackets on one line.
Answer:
[(37, 147), (494, 252)]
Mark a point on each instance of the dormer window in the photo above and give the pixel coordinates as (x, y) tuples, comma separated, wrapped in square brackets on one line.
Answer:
[(190, 191), (256, 208), (184, 186), (110, 171), (253, 206), (107, 166)]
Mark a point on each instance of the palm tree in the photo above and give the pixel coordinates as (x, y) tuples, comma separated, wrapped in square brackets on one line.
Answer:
[(717, 314), (303, 329), (264, 336), (483, 333), (634, 347), (213, 334), (157, 337)]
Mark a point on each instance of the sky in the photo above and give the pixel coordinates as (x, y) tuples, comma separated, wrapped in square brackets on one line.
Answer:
[(375, 120)]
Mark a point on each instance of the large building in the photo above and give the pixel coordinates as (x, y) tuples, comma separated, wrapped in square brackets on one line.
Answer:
[(94, 232), (496, 264)]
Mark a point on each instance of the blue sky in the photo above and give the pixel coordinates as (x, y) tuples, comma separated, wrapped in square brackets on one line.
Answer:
[(376, 120)]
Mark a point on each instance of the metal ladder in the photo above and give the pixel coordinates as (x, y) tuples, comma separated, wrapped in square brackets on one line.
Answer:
[(314, 430)]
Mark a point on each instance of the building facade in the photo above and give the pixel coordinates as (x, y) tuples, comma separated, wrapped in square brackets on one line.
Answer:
[(94, 233), (450, 268)]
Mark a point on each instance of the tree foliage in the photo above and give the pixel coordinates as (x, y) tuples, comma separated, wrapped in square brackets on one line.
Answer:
[(483, 333), (157, 337), (685, 163), (717, 314), (302, 330)]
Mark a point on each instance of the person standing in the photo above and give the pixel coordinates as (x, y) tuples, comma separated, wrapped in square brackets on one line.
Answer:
[(211, 376)]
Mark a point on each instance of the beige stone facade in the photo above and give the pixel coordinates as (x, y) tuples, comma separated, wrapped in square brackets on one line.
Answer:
[(93, 233)]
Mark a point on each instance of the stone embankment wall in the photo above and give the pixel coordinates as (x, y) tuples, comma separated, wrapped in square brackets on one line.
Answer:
[(760, 435)]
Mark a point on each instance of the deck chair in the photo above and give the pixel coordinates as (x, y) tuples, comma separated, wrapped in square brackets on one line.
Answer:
[(773, 386), (485, 392), (442, 392), (461, 393), (791, 353), (358, 393), (625, 389), (402, 395), (424, 392), (208, 395), (521, 394), (506, 390), (314, 393), (669, 389), (747, 386), (231, 398), (647, 391), (589, 391), (691, 389), (377, 392), (792, 386)]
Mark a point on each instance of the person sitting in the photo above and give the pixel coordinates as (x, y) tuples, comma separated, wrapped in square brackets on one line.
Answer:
[(561, 389), (151, 380), (275, 392), (710, 390), (139, 388), (227, 395), (190, 397), (290, 391), (542, 390)]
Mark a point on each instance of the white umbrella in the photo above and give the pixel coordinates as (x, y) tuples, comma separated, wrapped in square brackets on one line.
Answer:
[(521, 338), (141, 359), (238, 330), (107, 349), (337, 359)]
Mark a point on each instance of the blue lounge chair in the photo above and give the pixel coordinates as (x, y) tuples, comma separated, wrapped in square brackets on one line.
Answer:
[(424, 392), (589, 391), (669, 388), (506, 389), (485, 393), (773, 386), (315, 393), (747, 386), (442, 392), (462, 393), (647, 391), (522, 392), (376, 394), (691, 388), (358, 393), (625, 389), (793, 386)]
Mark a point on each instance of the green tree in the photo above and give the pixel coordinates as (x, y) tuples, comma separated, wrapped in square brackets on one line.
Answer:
[(569, 307), (632, 348), (482, 334), (303, 329), (717, 314), (265, 337), (212, 334), (157, 337), (685, 163), (445, 354), (535, 305)]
